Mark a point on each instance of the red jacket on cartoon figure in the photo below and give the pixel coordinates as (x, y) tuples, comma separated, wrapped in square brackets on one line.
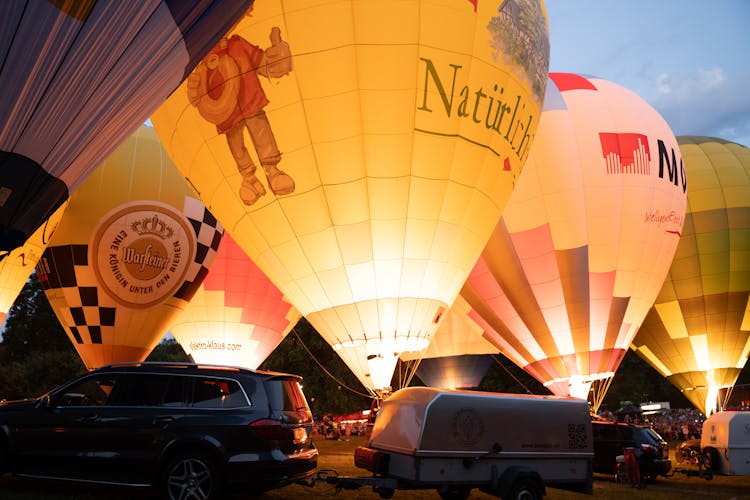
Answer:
[(250, 98)]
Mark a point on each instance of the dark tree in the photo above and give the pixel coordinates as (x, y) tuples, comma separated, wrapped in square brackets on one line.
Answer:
[(168, 350), (505, 376), (329, 385), (31, 325), (35, 353), (636, 381)]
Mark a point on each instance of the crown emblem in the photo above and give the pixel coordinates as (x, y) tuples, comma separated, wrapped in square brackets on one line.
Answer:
[(152, 225)]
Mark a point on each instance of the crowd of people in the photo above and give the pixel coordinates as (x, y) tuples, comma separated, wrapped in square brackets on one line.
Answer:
[(331, 427), (679, 424)]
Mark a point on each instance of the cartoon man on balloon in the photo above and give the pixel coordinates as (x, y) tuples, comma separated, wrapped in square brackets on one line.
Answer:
[(226, 90)]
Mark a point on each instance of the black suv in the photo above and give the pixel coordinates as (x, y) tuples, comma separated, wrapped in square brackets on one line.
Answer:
[(611, 439), (191, 430)]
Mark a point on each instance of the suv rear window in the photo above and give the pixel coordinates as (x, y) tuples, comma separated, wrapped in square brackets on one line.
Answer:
[(650, 437), (218, 393), (286, 395)]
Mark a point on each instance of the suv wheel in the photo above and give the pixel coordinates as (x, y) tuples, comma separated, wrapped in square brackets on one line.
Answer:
[(190, 476), (3, 457)]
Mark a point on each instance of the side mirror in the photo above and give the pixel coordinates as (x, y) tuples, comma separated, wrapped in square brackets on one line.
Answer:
[(44, 402)]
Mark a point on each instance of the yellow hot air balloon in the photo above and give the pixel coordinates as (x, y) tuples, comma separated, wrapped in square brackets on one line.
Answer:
[(586, 239), (697, 334), (361, 153), (238, 316), (77, 78), (130, 251), (16, 265), (458, 355)]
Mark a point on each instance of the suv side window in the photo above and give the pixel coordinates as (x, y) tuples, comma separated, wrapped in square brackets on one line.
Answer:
[(150, 389), (218, 393), (138, 390), (91, 391), (178, 392)]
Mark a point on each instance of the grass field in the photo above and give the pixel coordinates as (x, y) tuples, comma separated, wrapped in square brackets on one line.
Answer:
[(338, 456)]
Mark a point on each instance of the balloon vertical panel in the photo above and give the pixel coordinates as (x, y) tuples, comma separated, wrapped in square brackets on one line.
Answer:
[(697, 334), (78, 78), (16, 265), (587, 237), (129, 253), (361, 153), (237, 317)]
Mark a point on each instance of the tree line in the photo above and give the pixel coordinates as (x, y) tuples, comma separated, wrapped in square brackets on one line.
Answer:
[(36, 356)]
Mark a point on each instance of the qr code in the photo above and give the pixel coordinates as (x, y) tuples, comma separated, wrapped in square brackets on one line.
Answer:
[(577, 438)]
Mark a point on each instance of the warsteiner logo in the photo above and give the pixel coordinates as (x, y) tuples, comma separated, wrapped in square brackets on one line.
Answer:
[(142, 252)]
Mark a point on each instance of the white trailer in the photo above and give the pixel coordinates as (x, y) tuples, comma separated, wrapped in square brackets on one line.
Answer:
[(725, 443), (508, 445)]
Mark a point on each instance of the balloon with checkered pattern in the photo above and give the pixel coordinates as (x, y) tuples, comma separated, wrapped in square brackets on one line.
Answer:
[(129, 253)]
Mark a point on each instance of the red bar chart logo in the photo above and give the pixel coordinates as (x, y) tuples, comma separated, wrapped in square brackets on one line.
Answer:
[(625, 153)]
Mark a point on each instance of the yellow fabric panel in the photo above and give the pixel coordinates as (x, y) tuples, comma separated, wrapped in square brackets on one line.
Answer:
[(646, 353), (347, 202), (671, 316), (355, 243), (330, 172), (16, 267)]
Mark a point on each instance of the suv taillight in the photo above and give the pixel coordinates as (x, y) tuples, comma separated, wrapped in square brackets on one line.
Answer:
[(273, 430), (651, 449)]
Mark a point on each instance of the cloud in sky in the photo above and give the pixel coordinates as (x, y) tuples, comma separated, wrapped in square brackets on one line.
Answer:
[(686, 58), (706, 102)]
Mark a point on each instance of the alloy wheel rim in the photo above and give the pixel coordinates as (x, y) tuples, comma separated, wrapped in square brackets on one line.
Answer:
[(189, 479)]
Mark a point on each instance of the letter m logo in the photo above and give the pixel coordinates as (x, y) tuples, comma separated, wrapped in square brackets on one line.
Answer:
[(671, 167)]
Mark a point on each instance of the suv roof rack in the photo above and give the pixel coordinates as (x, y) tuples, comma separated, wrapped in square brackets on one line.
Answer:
[(171, 364), (193, 366)]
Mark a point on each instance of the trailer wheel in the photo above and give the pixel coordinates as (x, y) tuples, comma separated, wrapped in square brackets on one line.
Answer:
[(525, 488), (385, 492), (710, 459), (454, 492)]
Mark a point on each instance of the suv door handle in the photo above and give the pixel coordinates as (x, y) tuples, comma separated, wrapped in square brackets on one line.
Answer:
[(88, 418), (163, 420)]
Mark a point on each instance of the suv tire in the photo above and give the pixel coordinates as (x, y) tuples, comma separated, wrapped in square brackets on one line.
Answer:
[(191, 476), (4, 465)]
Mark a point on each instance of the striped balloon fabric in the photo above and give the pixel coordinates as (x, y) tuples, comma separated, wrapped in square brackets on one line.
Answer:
[(697, 334), (586, 239)]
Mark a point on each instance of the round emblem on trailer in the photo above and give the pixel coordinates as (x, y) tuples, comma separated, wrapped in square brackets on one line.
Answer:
[(467, 426)]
